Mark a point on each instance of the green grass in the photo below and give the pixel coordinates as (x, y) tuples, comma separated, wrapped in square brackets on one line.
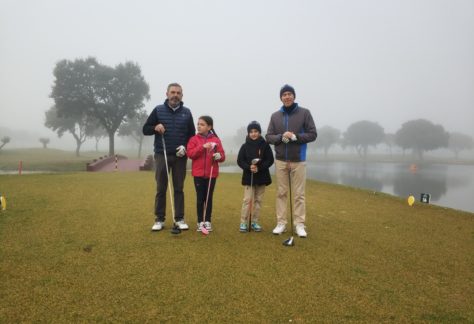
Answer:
[(38, 159), (77, 247)]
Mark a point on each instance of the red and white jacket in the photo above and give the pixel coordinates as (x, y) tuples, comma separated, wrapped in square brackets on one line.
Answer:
[(202, 157)]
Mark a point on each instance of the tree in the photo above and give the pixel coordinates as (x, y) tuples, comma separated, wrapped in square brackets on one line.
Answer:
[(5, 140), (390, 141), (421, 135), (44, 141), (459, 142), (363, 134), (107, 94), (97, 134), (133, 127), (79, 125), (327, 137)]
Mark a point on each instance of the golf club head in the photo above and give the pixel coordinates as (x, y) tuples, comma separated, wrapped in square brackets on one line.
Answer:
[(255, 161), (204, 231), (175, 229), (289, 242)]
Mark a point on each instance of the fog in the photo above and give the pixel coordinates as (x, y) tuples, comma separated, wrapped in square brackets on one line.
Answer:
[(383, 61)]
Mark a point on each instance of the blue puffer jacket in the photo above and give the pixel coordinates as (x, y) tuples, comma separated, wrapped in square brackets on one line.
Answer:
[(179, 127)]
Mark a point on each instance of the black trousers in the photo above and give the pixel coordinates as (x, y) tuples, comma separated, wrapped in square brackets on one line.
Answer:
[(201, 185), (177, 167)]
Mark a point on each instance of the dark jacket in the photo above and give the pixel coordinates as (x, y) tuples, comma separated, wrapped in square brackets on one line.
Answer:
[(179, 126), (298, 121), (250, 150)]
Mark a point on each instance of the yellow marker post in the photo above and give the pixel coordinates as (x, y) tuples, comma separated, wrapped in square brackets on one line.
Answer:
[(3, 203), (411, 200)]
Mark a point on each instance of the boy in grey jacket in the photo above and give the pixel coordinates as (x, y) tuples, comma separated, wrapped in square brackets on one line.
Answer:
[(289, 130)]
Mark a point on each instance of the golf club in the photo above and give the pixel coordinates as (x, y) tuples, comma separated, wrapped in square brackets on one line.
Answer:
[(204, 230), (290, 241), (175, 229), (254, 162)]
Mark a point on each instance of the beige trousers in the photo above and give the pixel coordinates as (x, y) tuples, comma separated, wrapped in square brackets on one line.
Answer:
[(258, 192), (297, 172)]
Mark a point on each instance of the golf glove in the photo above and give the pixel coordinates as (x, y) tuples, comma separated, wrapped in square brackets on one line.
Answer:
[(213, 145), (180, 151), (293, 138), (216, 156), (285, 139)]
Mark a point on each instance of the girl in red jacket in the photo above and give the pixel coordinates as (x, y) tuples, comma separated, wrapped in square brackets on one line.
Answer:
[(205, 149)]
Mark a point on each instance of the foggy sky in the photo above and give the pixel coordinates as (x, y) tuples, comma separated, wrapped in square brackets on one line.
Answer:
[(384, 61)]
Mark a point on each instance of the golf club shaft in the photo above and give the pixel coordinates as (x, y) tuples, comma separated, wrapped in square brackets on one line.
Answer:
[(207, 194), (291, 199), (251, 201), (168, 176)]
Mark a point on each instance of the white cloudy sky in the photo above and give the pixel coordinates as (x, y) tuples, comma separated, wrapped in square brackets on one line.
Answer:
[(387, 61)]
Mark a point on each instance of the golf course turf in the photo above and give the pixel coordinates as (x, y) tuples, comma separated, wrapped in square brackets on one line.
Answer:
[(77, 247)]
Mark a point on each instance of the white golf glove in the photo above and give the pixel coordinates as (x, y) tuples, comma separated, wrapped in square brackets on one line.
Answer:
[(285, 140), (180, 151), (216, 156)]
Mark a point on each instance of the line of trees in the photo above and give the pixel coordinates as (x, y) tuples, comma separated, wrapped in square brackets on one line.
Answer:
[(92, 100), (418, 135)]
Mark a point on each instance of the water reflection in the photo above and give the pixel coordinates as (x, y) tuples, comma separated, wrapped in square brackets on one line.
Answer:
[(432, 181), (440, 181)]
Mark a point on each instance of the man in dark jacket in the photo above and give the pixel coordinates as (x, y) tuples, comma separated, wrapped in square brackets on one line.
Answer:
[(173, 121), (290, 129)]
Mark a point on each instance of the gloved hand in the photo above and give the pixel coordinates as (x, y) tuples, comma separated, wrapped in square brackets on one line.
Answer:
[(285, 140), (216, 156), (213, 145), (180, 151), (293, 137)]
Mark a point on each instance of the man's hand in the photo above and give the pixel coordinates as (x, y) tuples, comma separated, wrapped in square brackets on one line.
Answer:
[(216, 156), (285, 140), (180, 151), (160, 129)]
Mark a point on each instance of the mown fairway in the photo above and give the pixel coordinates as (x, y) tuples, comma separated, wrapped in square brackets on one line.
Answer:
[(78, 248)]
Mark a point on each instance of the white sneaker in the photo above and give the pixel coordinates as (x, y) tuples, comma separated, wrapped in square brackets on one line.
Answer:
[(208, 226), (200, 226), (300, 230), (158, 226), (279, 229), (182, 225)]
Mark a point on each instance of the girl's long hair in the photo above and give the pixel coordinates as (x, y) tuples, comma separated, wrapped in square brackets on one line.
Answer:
[(210, 122)]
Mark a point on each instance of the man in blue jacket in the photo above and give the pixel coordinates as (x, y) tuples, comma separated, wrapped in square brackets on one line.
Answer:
[(290, 129), (173, 121)]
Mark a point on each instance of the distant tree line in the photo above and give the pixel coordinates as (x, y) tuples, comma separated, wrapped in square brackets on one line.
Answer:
[(92, 100), (418, 135)]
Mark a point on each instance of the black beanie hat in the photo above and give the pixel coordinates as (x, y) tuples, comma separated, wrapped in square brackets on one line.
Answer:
[(254, 125), (286, 88)]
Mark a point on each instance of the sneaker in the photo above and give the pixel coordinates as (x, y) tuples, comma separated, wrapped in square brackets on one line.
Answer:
[(279, 229), (182, 225), (200, 226), (158, 226), (243, 227), (300, 230), (256, 227), (208, 226)]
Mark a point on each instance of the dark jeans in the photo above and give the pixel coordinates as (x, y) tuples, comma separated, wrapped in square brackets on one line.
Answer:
[(201, 185), (177, 167)]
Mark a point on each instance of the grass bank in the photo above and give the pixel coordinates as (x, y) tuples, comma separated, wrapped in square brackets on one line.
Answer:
[(77, 247)]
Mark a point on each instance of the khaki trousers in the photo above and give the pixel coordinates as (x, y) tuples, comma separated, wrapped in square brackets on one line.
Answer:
[(258, 192), (297, 171)]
